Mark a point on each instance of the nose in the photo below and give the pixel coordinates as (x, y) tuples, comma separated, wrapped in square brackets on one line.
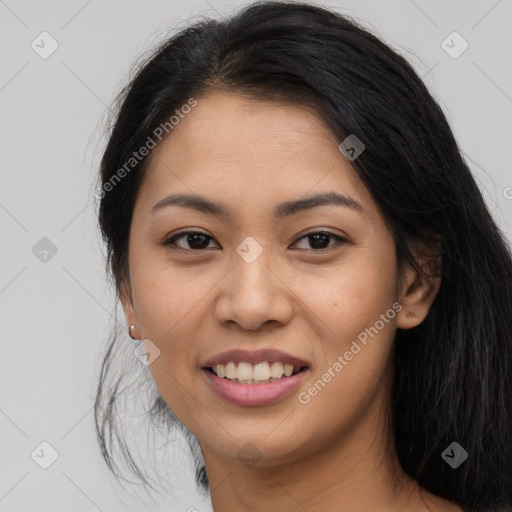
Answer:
[(254, 294)]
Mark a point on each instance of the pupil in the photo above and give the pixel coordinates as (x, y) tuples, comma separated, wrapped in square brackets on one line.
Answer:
[(194, 238), (315, 236)]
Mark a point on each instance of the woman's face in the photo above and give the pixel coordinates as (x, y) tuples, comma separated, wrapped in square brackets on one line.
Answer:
[(256, 282)]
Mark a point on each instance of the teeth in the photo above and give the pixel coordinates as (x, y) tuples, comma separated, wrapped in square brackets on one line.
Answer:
[(253, 373), (288, 369), (231, 370), (244, 371), (261, 371), (276, 370), (221, 370)]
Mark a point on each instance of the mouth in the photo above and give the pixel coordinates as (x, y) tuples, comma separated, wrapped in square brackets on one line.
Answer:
[(255, 377)]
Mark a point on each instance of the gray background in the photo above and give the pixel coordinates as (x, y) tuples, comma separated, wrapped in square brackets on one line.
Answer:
[(55, 313)]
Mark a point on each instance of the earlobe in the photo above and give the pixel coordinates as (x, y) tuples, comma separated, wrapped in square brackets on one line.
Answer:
[(125, 297)]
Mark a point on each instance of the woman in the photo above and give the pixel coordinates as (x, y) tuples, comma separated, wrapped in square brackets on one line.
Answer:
[(323, 298)]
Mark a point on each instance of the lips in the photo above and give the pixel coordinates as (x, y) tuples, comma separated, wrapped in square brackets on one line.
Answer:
[(260, 390), (247, 395)]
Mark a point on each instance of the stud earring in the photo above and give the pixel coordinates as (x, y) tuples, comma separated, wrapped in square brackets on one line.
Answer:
[(130, 329)]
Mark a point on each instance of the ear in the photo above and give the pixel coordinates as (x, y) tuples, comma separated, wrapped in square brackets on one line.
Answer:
[(126, 298), (418, 288)]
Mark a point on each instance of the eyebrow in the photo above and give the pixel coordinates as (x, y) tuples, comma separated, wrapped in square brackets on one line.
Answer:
[(204, 205)]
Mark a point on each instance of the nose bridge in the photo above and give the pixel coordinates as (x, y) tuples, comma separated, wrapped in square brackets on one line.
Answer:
[(253, 295), (251, 271)]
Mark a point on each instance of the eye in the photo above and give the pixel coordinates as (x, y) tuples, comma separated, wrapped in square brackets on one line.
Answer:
[(195, 239), (319, 240)]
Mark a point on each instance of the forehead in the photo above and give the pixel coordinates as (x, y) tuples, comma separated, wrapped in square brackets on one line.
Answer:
[(245, 151)]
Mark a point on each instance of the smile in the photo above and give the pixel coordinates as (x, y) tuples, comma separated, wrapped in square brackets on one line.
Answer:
[(254, 377), (246, 373), (255, 392)]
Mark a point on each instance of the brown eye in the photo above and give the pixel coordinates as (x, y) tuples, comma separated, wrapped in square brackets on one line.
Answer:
[(319, 240), (195, 240)]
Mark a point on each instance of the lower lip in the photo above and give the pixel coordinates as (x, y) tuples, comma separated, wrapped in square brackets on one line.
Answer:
[(255, 394)]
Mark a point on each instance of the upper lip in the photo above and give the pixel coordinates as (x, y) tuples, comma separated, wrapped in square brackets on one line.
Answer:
[(254, 356)]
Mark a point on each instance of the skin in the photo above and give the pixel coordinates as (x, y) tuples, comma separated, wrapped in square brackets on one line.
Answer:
[(333, 453)]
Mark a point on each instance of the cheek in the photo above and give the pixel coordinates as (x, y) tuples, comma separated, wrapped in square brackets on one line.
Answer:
[(164, 306), (166, 298), (170, 309), (352, 296), (356, 321), (352, 356)]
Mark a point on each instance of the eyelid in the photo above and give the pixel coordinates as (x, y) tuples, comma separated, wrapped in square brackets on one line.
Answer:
[(339, 239), (327, 231), (170, 240)]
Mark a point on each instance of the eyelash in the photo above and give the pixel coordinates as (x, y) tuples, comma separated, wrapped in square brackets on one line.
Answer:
[(171, 241)]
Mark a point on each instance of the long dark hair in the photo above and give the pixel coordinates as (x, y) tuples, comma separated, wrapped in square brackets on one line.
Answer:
[(452, 373)]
